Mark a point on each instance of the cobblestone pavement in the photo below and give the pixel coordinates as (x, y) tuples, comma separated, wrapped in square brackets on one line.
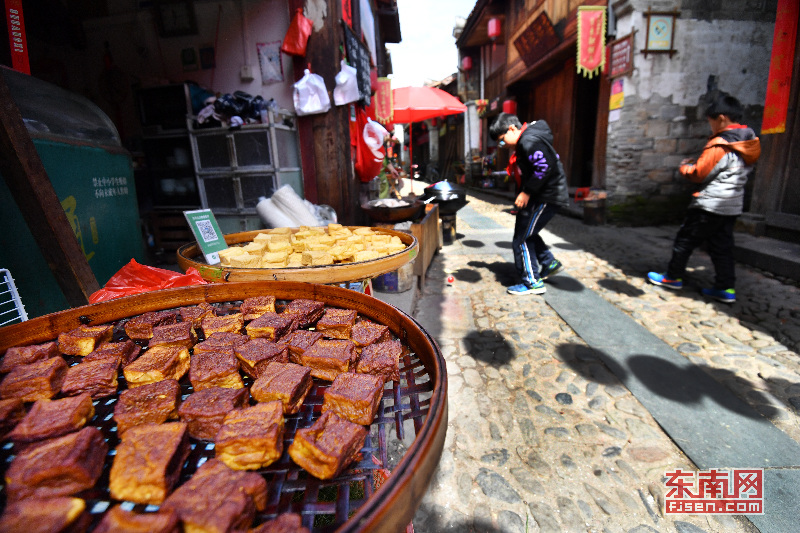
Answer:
[(541, 435)]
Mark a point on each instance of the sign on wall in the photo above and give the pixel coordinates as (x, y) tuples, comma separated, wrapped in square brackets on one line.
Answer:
[(358, 57), (621, 56), (537, 39), (660, 33)]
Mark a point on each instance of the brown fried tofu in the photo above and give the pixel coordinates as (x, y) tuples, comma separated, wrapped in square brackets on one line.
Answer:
[(271, 326), (305, 312), (148, 462), (365, 333), (328, 447), (218, 498), (257, 353), (381, 359), (299, 341), (57, 467), (84, 339), (220, 340), (285, 523), (11, 412), (97, 377), (251, 438), (141, 327), (180, 334), (232, 323), (256, 306), (355, 397), (327, 358), (337, 323), (118, 520), (35, 381), (215, 369), (126, 352), (197, 313), (53, 418), (60, 514), (154, 403), (157, 363), (25, 355), (286, 382), (205, 410)]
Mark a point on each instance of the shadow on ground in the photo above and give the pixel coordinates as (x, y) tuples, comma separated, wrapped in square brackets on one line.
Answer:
[(489, 346)]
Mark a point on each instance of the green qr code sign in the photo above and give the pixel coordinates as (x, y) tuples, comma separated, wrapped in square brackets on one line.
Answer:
[(206, 230)]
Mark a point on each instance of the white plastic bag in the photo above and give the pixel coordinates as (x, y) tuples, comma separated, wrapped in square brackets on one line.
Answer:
[(311, 95), (346, 89)]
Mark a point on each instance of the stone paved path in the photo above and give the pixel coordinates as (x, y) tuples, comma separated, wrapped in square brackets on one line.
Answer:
[(542, 436)]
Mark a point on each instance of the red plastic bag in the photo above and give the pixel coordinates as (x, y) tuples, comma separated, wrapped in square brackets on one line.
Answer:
[(296, 39), (135, 278)]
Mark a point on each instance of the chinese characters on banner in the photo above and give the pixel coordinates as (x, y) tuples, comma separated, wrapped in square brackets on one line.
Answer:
[(384, 106), (715, 491), (779, 81), (16, 36), (591, 40)]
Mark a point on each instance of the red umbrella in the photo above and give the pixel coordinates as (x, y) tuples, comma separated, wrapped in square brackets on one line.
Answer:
[(415, 104)]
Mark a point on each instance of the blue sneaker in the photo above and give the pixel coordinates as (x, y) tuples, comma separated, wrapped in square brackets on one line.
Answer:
[(660, 279), (537, 288), (552, 269), (727, 296)]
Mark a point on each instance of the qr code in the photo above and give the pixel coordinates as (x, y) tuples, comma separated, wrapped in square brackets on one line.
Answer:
[(207, 230)]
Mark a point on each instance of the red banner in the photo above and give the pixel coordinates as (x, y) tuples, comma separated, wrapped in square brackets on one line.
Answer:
[(16, 36), (384, 106), (347, 12), (779, 82), (591, 40)]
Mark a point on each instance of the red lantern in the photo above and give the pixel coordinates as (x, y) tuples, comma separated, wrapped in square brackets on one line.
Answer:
[(466, 63), (494, 28)]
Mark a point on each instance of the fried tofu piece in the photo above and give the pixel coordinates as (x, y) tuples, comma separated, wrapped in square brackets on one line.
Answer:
[(272, 326), (154, 403), (337, 323), (299, 341), (367, 255), (205, 410), (245, 260), (286, 382), (97, 377), (256, 306), (218, 499), (251, 438), (84, 339), (221, 340), (57, 467), (305, 312), (197, 313), (354, 397), (228, 253), (280, 246), (255, 248), (314, 257), (180, 334), (148, 462), (328, 447), (118, 520), (259, 352), (46, 515), (156, 364), (262, 237), (328, 358), (294, 260), (141, 327), (11, 412), (124, 352), (232, 323), (285, 523), (365, 333), (215, 369), (274, 260), (42, 379), (381, 359), (53, 418), (25, 355), (279, 231)]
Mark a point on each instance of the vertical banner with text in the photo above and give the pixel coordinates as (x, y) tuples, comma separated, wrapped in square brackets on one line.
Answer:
[(591, 40), (18, 44), (779, 81), (384, 105)]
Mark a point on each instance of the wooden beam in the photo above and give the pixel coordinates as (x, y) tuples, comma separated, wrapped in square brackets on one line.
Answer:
[(27, 180)]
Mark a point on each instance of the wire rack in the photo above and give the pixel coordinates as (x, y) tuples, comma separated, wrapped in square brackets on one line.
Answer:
[(11, 309), (324, 505)]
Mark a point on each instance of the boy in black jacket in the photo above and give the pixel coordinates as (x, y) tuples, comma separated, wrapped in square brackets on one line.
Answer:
[(543, 192)]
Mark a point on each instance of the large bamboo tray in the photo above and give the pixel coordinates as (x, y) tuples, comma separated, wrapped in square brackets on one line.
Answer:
[(189, 255), (418, 404)]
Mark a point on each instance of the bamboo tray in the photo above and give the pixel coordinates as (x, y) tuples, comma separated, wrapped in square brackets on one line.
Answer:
[(189, 256), (412, 418)]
